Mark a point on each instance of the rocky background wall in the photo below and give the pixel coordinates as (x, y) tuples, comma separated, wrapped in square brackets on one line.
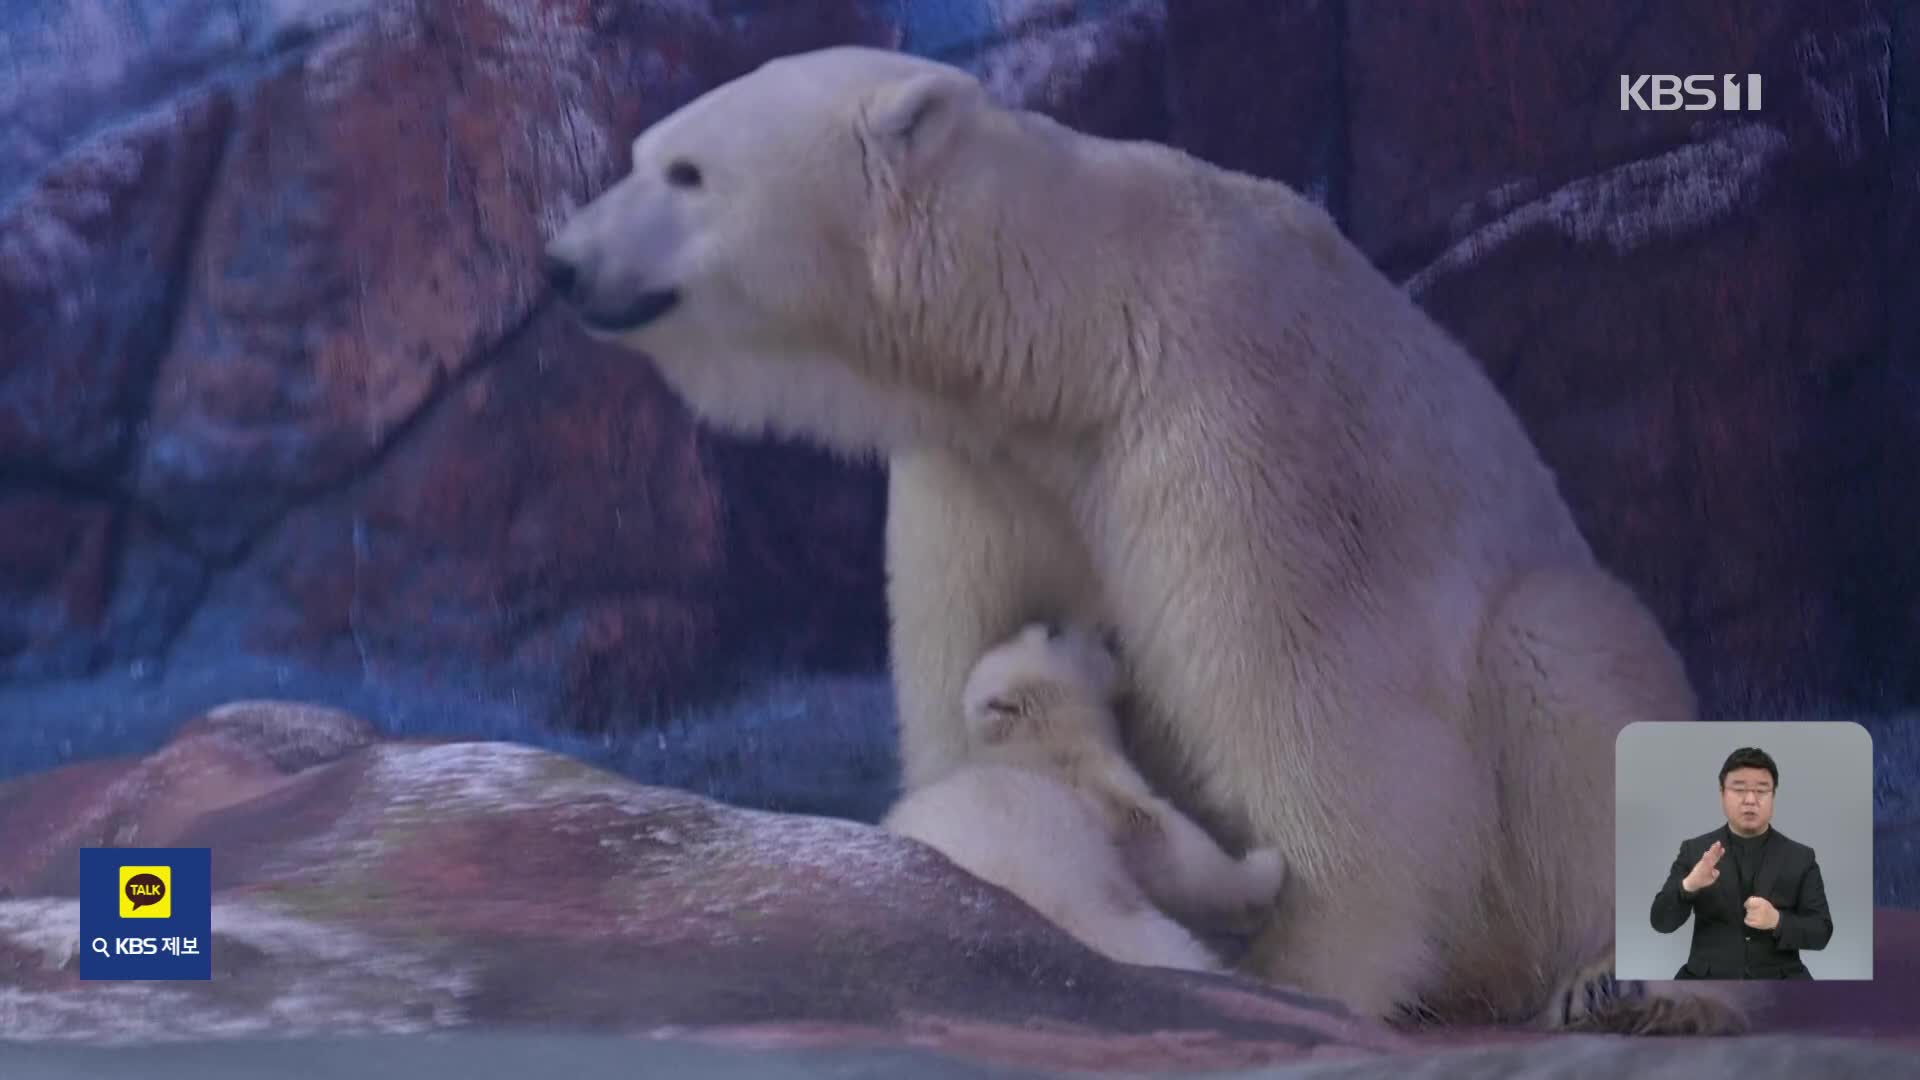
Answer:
[(284, 409)]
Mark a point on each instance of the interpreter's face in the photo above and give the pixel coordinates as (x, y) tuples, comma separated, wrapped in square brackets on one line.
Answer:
[(1747, 797)]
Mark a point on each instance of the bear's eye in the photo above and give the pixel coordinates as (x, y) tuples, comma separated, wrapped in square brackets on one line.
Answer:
[(683, 174)]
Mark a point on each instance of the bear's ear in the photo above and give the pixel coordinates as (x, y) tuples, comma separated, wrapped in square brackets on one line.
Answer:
[(911, 120)]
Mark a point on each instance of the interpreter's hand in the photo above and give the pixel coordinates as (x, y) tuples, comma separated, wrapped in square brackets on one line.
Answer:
[(1761, 914), (1705, 872)]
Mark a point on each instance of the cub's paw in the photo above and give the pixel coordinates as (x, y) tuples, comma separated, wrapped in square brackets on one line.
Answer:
[(1262, 874), (1265, 871)]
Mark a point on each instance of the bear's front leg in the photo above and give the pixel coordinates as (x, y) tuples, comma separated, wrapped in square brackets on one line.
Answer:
[(973, 554)]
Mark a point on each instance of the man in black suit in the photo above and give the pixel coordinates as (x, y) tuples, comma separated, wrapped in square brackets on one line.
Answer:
[(1753, 922)]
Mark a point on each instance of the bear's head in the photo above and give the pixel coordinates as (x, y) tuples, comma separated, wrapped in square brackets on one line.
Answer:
[(1043, 674), (848, 246)]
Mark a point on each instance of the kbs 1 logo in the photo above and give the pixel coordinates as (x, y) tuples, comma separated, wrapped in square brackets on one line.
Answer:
[(1694, 93), (146, 913)]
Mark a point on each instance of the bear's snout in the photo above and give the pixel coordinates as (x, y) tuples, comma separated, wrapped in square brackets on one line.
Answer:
[(613, 310)]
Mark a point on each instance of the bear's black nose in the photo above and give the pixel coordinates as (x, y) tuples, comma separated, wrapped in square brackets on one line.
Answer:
[(560, 274)]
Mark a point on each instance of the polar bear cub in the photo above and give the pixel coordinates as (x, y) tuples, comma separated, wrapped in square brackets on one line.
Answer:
[(1047, 806)]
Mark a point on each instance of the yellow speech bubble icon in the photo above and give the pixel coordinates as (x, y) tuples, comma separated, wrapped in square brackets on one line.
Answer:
[(146, 892)]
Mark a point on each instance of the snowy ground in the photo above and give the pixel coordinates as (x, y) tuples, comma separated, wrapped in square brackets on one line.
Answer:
[(820, 744)]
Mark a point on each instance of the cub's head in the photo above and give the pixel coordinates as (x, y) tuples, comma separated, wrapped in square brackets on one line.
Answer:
[(801, 250), (1043, 677)]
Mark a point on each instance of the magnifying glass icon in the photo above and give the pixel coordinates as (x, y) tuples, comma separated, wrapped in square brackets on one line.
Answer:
[(100, 946)]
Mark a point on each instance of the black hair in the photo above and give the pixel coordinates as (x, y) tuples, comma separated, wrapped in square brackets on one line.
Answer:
[(1749, 757)]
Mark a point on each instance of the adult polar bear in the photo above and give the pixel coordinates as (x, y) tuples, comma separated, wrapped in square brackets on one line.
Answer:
[(1115, 382)]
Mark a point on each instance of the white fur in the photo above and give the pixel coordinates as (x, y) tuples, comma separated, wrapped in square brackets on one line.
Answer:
[(1047, 807), (1116, 383), (1035, 837)]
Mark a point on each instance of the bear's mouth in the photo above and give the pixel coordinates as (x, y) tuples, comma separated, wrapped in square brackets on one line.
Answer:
[(638, 312)]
